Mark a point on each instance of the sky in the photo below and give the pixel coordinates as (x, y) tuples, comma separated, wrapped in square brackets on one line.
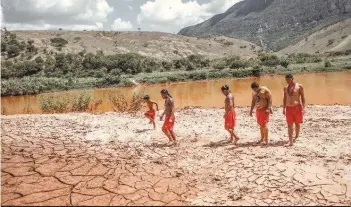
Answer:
[(110, 15)]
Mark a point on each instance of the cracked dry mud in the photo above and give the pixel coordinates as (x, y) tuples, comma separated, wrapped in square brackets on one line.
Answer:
[(115, 159)]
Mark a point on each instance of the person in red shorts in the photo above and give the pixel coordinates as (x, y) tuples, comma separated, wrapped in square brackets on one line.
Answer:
[(151, 113), (262, 98), (292, 107), (229, 116), (168, 125)]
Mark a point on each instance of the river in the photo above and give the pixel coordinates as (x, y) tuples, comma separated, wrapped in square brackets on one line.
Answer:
[(320, 88)]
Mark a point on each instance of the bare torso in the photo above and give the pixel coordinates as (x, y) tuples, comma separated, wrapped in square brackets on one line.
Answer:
[(150, 104), (261, 98), (293, 95), (229, 102), (169, 104)]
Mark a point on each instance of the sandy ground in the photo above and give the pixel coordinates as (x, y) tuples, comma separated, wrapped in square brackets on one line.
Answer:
[(115, 159)]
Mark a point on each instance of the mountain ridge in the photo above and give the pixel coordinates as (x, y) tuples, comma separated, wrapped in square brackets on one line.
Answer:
[(273, 24)]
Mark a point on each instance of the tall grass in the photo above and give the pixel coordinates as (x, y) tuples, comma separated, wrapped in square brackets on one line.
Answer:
[(79, 103), (120, 103), (53, 104)]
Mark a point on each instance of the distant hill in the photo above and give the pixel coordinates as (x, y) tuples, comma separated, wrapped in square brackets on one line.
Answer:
[(336, 37), (154, 44), (273, 24)]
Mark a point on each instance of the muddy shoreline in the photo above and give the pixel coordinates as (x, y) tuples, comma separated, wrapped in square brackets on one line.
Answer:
[(116, 159)]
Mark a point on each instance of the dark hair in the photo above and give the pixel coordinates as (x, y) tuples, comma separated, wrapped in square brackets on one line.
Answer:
[(289, 75), (225, 88), (255, 85), (146, 97), (165, 91)]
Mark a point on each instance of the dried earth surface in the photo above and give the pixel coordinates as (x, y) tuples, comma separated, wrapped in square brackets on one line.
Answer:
[(116, 159)]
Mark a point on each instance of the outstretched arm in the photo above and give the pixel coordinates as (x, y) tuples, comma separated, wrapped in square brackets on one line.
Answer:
[(155, 104)]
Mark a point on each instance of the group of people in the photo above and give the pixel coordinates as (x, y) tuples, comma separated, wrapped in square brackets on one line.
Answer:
[(293, 109)]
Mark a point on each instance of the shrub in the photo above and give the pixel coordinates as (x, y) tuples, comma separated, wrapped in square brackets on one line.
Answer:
[(343, 37), (284, 63), (330, 42), (269, 59), (53, 104), (190, 67), (3, 46), (81, 103), (239, 64), (198, 61), (115, 72), (58, 42), (94, 105), (219, 64), (118, 101), (166, 65), (137, 101), (228, 43), (77, 39), (13, 50), (327, 64), (256, 71)]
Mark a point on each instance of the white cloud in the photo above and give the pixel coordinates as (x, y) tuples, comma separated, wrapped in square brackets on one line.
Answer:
[(119, 24), (176, 13), (130, 8), (54, 14)]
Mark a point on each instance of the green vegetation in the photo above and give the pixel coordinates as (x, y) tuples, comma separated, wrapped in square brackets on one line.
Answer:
[(31, 73), (78, 103), (327, 64)]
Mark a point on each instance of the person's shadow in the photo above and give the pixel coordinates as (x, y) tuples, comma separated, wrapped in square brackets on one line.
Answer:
[(142, 130), (256, 144), (221, 143), (160, 145)]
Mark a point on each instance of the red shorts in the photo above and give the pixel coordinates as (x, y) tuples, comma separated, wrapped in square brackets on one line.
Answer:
[(151, 113), (169, 123), (229, 121), (294, 114), (262, 116)]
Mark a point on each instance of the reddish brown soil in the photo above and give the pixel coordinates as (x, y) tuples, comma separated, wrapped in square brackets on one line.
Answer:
[(114, 159)]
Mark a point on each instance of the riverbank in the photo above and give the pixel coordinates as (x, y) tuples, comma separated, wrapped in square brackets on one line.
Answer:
[(37, 85), (116, 159)]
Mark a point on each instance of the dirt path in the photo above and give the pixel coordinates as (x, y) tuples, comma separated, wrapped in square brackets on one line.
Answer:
[(115, 159)]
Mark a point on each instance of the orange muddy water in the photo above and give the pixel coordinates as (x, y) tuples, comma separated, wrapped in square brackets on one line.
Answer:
[(320, 88)]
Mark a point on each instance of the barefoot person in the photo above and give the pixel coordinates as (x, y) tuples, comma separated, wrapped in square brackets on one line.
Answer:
[(229, 116), (292, 107), (150, 114), (262, 98), (168, 125)]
